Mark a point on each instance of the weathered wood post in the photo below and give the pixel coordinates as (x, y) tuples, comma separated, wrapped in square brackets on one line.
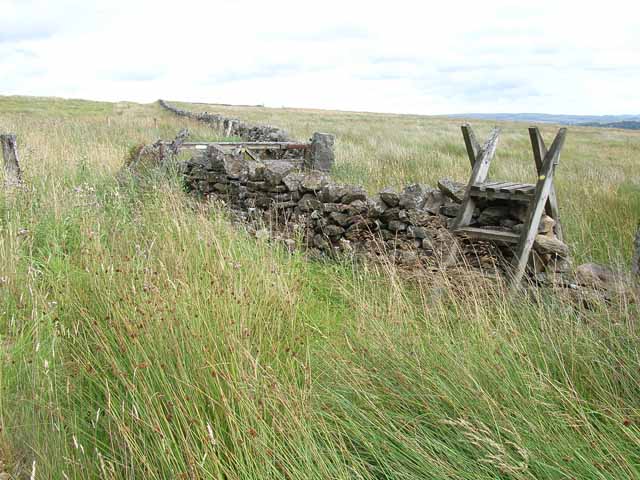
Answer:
[(320, 155), (635, 261), (13, 174)]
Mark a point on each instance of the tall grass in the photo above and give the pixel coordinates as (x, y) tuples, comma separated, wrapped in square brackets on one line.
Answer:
[(144, 336)]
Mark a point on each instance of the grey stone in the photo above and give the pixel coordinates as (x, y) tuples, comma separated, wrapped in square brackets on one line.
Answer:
[(353, 194), (257, 186), (492, 215), (309, 202), (397, 226), (341, 219), (407, 257), (278, 189), (314, 181), (453, 190), (235, 166), (560, 265), (508, 223), (450, 210), (546, 225), (221, 187), (335, 207), (427, 243), (386, 234), (544, 244), (602, 277), (414, 195), (293, 181), (418, 217), (285, 205), (332, 192), (321, 242), (358, 207), (519, 212), (435, 199), (391, 214), (416, 232), (321, 156), (276, 170), (376, 206), (263, 201), (388, 196), (333, 230)]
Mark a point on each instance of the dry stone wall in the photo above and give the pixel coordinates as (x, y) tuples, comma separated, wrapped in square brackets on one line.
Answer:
[(410, 226), (232, 126)]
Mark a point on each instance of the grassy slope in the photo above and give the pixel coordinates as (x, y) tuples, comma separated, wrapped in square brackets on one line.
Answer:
[(145, 338)]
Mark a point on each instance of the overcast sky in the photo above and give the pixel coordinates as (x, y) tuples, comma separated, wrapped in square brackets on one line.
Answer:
[(390, 56)]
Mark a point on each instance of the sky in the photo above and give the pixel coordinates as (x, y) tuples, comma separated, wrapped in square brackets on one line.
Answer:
[(386, 56)]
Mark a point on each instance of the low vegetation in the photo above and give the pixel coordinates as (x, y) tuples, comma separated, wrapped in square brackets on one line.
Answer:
[(143, 336)]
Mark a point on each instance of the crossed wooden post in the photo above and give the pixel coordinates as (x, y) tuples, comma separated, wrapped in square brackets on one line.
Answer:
[(540, 196)]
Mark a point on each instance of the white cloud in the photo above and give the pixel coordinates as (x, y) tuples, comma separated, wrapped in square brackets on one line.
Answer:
[(405, 56)]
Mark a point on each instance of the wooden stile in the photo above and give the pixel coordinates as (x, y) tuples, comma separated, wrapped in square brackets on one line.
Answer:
[(540, 196)]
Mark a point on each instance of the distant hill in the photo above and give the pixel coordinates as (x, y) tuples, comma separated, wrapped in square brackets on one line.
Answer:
[(606, 121), (628, 124)]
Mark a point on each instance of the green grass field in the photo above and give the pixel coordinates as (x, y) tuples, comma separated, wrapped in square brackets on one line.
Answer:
[(144, 336)]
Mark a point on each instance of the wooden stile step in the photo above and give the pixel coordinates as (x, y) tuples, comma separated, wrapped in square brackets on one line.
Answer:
[(489, 235), (503, 190)]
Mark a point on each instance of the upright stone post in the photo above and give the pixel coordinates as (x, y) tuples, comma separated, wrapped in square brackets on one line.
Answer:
[(13, 174), (320, 155)]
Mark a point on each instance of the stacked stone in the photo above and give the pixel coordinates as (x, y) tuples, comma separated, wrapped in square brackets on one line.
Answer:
[(233, 126), (336, 217), (410, 227)]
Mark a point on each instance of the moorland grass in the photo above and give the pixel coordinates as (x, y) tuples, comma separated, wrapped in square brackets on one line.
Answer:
[(143, 336)]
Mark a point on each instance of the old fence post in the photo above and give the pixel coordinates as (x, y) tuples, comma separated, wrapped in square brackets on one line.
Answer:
[(320, 155), (13, 174), (635, 261)]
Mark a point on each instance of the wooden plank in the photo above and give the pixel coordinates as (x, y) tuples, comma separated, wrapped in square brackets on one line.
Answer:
[(537, 206), (478, 175), (489, 235), (473, 147), (494, 185), (13, 173), (515, 186), (635, 259), (516, 196), (487, 186), (250, 145), (539, 152)]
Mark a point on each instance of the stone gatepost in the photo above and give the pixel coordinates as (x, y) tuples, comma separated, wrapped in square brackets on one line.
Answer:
[(321, 155)]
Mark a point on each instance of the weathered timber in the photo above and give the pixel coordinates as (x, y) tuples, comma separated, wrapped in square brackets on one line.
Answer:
[(520, 205), (13, 173), (489, 235), (635, 261), (473, 147), (248, 145), (539, 152), (537, 206), (478, 175)]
